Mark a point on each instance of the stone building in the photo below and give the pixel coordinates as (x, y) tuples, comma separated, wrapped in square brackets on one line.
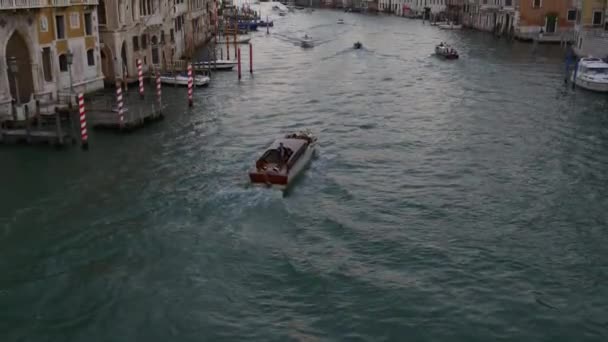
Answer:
[(158, 32), (47, 39)]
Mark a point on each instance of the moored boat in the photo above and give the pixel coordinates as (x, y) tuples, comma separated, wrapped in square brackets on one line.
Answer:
[(591, 74), (263, 23), (182, 79), (340, 21), (284, 160), (450, 26), (220, 64), (446, 51), (230, 40), (357, 45)]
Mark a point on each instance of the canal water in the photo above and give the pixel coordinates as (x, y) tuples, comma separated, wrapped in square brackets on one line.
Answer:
[(450, 201)]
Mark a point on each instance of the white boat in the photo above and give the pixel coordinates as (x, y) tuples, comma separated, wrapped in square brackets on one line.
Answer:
[(230, 39), (592, 74), (306, 42), (450, 26), (182, 80), (282, 13), (340, 21), (220, 64), (278, 169), (437, 23)]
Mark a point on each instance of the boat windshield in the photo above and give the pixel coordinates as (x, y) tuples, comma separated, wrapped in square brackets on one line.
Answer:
[(598, 71)]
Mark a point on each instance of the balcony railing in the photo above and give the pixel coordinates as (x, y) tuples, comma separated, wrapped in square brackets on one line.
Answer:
[(24, 4), (19, 4)]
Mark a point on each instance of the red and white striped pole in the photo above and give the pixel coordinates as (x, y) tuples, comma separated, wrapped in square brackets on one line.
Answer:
[(159, 92), (190, 84), (84, 136), (140, 76), (238, 56), (121, 117)]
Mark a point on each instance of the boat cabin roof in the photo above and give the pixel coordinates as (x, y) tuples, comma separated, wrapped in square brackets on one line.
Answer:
[(292, 144), (593, 63)]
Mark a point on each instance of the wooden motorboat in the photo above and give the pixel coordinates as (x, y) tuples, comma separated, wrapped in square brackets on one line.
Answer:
[(220, 64), (446, 51), (182, 79), (279, 169)]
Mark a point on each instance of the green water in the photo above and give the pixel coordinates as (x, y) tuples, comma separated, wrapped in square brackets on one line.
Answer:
[(450, 201)]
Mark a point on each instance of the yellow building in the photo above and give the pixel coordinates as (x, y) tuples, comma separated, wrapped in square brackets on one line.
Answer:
[(591, 37), (38, 34)]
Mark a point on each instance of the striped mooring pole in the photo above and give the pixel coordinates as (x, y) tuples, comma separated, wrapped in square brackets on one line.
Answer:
[(190, 84), (140, 77), (159, 92), (121, 117), (84, 136)]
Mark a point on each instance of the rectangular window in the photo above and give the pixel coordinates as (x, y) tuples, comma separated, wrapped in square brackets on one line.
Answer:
[(101, 13), (536, 3), (63, 63), (162, 37), (172, 34), (75, 20), (136, 43), (88, 24), (508, 2), (60, 27), (90, 57), (571, 15), (46, 64), (144, 41), (597, 18)]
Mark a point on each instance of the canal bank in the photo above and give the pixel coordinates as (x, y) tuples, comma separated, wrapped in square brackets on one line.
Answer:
[(450, 201)]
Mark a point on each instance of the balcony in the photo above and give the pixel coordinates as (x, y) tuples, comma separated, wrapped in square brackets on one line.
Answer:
[(26, 4), (22, 4)]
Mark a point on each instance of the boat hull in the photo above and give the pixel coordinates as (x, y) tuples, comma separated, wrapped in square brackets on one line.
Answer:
[(280, 180), (600, 87), (450, 27), (199, 81)]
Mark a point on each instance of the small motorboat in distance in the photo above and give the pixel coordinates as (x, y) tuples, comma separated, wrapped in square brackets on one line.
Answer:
[(340, 21), (446, 51), (182, 79), (306, 42), (592, 74), (284, 160), (357, 45)]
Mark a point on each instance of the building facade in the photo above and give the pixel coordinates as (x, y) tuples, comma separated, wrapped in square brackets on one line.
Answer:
[(545, 20), (48, 39), (156, 32), (591, 28)]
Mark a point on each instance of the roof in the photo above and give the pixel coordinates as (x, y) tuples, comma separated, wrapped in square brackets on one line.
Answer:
[(293, 144), (593, 63)]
